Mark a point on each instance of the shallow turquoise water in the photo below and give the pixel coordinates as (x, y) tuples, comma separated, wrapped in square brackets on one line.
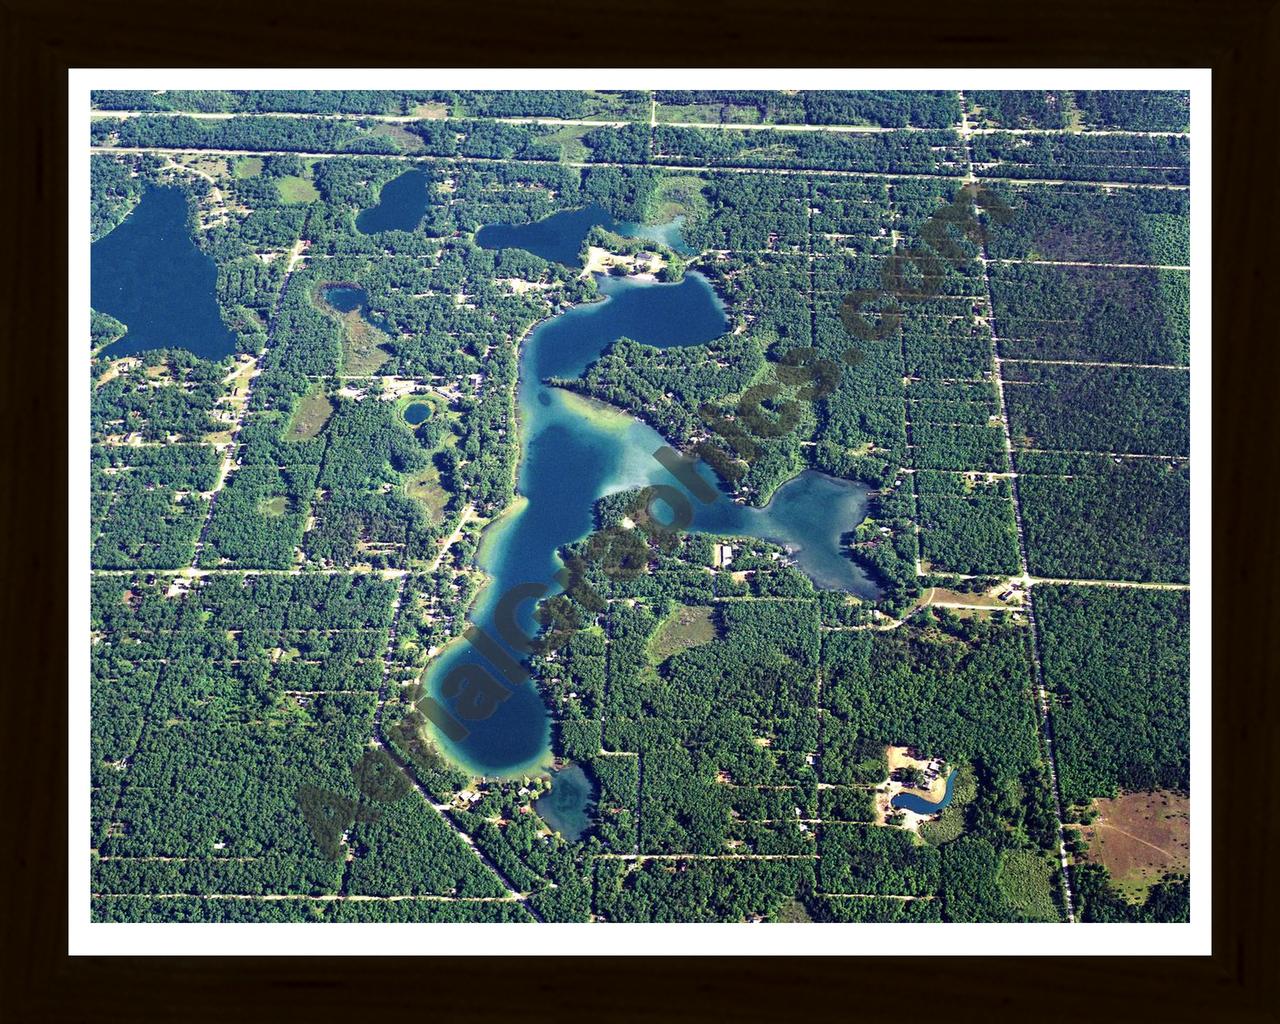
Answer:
[(150, 276), (574, 452)]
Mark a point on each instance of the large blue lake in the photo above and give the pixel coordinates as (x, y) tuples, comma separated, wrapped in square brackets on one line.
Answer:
[(559, 237), (150, 276), (574, 451)]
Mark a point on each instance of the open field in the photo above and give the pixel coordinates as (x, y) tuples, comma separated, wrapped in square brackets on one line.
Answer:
[(707, 113), (309, 417), (569, 138), (1026, 879), (274, 506), (247, 167), (688, 626), (362, 351), (424, 487), (1139, 837), (405, 140), (431, 111), (294, 189)]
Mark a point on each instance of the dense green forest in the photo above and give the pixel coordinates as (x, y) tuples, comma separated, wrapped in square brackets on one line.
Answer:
[(1091, 314), (1156, 160), (1126, 410), (1126, 519), (1116, 661), (279, 553), (1126, 110), (1074, 223)]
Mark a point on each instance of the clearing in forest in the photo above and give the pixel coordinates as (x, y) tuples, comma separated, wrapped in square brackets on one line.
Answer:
[(688, 626), (294, 189), (310, 416), (362, 350), (424, 487), (1139, 837)]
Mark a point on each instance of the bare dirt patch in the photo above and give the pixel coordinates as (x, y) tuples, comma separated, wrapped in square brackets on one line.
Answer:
[(1139, 837), (431, 111), (941, 597)]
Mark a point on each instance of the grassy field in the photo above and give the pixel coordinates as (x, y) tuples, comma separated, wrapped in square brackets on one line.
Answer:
[(1138, 837), (570, 141), (708, 113), (295, 190), (309, 417), (424, 487), (688, 626), (405, 140), (247, 167), (362, 351), (610, 106), (1026, 879)]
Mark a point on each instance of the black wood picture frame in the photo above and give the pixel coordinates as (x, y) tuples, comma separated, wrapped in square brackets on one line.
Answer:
[(1238, 39)]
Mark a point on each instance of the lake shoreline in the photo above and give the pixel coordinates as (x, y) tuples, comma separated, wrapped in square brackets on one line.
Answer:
[(572, 450)]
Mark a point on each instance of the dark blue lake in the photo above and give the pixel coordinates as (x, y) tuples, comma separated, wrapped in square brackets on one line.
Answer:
[(401, 204), (416, 412), (150, 276), (913, 802), (569, 807), (574, 451), (559, 237)]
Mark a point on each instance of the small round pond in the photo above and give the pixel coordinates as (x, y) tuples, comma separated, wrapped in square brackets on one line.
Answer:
[(344, 297), (416, 412)]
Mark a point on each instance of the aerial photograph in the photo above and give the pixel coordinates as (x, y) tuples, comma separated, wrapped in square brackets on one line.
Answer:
[(655, 506)]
